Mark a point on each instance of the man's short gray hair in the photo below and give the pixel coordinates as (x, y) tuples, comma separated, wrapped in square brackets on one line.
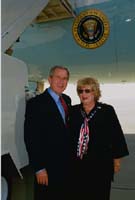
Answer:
[(52, 70)]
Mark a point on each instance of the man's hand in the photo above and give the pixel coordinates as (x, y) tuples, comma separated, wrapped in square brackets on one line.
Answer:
[(42, 177)]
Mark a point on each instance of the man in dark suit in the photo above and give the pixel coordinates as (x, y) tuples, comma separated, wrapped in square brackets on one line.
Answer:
[(47, 139)]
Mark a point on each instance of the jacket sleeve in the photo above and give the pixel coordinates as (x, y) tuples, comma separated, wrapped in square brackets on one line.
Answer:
[(32, 137), (119, 145)]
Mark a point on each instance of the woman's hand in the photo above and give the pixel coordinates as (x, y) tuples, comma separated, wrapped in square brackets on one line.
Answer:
[(117, 165)]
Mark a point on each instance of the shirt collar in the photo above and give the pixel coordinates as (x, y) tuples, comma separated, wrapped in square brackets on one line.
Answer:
[(53, 94)]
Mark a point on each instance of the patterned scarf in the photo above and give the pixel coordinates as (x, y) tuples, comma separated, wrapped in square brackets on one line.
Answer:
[(83, 141)]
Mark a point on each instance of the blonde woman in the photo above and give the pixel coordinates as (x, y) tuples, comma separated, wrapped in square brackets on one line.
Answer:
[(98, 143)]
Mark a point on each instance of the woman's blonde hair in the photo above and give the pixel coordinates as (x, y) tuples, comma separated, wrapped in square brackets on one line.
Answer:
[(94, 85)]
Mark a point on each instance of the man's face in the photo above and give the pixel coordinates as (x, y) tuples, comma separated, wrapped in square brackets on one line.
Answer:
[(58, 82)]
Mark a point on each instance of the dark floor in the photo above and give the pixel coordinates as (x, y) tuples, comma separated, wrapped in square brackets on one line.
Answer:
[(22, 189), (123, 186)]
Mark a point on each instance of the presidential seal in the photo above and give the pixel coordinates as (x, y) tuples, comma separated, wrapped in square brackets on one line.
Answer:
[(91, 28)]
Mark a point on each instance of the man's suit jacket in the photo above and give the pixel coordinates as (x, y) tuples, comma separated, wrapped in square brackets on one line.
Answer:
[(46, 136)]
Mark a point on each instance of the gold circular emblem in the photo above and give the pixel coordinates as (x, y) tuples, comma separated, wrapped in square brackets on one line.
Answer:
[(91, 28)]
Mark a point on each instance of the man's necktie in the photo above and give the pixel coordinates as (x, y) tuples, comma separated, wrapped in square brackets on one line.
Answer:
[(65, 107)]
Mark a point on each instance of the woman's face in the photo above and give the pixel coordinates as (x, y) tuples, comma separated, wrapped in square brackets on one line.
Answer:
[(86, 95)]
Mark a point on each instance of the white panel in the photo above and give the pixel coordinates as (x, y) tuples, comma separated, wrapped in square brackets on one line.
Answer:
[(14, 79)]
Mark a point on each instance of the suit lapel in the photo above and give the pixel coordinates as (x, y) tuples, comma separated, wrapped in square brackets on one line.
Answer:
[(52, 106)]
